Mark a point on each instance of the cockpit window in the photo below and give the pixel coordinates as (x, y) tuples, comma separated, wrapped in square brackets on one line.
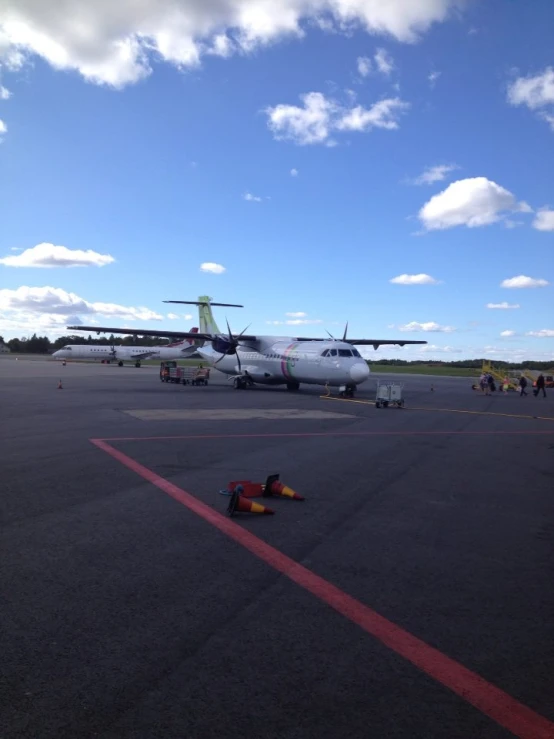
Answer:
[(325, 353), (356, 353), (345, 353), (333, 352), (67, 348)]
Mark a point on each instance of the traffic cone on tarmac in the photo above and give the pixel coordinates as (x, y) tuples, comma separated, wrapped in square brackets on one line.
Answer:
[(239, 504), (249, 489), (274, 487)]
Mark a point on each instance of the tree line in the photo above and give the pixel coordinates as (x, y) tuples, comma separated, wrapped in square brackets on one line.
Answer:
[(42, 344)]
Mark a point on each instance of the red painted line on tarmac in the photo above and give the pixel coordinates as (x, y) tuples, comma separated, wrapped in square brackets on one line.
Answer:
[(330, 433), (487, 698)]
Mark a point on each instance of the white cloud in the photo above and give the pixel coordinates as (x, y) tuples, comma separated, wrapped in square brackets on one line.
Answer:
[(536, 92), (522, 281), (429, 326), (544, 220), (213, 267), (383, 114), (47, 255), (5, 94), (544, 333), (523, 207), (434, 174), (44, 308), (472, 202), (433, 77), (188, 316), (507, 333), (503, 306), (420, 279), (173, 316), (294, 172), (364, 66), (319, 116), (295, 322), (3, 127), (115, 43), (384, 61), (252, 198), (509, 223), (299, 314)]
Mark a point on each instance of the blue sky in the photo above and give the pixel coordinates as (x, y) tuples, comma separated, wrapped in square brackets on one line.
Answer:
[(314, 159)]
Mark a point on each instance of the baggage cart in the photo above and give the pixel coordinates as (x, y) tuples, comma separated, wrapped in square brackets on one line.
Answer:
[(389, 393)]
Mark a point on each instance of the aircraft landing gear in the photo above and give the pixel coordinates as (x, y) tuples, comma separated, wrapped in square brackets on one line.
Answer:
[(348, 391), (293, 386)]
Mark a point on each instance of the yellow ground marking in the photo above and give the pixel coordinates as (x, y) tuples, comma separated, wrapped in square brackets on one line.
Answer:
[(444, 410)]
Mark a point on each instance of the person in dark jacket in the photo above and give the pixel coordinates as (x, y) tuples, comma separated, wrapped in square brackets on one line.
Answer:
[(540, 386), (522, 386)]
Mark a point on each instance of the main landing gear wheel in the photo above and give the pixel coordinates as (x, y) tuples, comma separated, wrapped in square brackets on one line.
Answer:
[(348, 392), (239, 383), (293, 386)]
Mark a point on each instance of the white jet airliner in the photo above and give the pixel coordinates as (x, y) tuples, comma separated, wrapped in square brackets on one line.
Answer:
[(121, 354), (272, 360)]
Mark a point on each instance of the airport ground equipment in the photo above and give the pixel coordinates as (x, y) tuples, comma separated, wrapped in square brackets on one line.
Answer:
[(389, 394), (195, 375)]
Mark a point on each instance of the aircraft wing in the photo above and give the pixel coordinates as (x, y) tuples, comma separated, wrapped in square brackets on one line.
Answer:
[(151, 332), (367, 342)]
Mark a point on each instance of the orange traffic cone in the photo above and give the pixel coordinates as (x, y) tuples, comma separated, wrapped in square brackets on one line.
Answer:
[(60, 387), (249, 489), (274, 487), (238, 504)]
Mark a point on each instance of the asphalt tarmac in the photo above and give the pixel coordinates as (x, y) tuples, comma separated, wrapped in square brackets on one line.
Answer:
[(410, 595)]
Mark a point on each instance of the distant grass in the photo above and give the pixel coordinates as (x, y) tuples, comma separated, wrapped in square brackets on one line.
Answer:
[(423, 369)]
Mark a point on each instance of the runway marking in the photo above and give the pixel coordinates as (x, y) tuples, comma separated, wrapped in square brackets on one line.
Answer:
[(325, 433), (232, 414), (486, 697), (442, 410)]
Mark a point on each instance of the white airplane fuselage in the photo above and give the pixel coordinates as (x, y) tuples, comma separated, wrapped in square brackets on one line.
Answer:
[(284, 361), (124, 353)]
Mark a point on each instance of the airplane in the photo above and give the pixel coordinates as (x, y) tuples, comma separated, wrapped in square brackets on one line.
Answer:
[(272, 360), (120, 354)]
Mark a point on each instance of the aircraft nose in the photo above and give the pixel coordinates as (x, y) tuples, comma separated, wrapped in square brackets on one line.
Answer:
[(359, 372)]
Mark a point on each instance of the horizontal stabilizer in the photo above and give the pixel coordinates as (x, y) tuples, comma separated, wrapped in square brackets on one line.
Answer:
[(203, 302)]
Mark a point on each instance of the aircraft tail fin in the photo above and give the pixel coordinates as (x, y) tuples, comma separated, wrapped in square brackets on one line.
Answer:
[(208, 324)]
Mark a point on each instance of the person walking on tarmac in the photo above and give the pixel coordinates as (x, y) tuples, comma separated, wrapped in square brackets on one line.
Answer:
[(522, 386), (540, 386)]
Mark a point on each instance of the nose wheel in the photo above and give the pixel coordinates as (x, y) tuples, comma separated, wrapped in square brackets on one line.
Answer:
[(347, 392), (293, 386)]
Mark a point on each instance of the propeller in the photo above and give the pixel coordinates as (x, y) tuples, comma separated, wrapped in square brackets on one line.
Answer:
[(228, 345), (343, 336)]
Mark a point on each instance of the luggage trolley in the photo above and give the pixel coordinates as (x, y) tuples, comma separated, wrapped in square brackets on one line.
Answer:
[(389, 394)]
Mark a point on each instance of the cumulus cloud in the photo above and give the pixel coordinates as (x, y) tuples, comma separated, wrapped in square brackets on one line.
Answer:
[(294, 172), (115, 43), (299, 314), (420, 279), (472, 202), (47, 256), (536, 92), (318, 117), (502, 306), (173, 316), (50, 308), (429, 326), (434, 174), (3, 128), (544, 333), (364, 66), (188, 316), (506, 334), (384, 61), (213, 267), (544, 220), (5, 94), (252, 198), (522, 281)]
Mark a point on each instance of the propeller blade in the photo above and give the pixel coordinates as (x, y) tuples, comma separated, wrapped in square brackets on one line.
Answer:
[(243, 330), (219, 360), (229, 330), (345, 332), (238, 362)]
